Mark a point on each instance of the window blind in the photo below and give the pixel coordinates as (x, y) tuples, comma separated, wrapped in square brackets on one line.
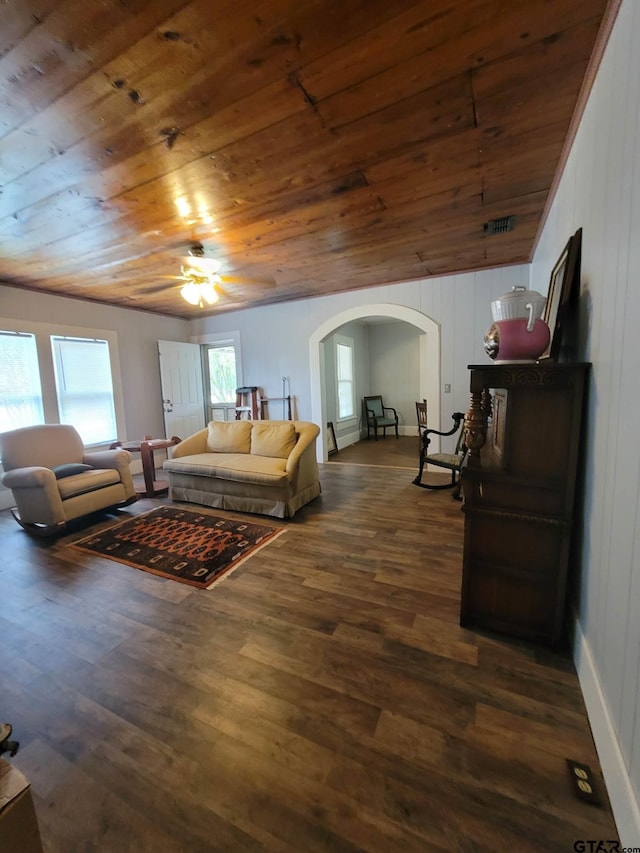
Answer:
[(84, 387), (20, 389)]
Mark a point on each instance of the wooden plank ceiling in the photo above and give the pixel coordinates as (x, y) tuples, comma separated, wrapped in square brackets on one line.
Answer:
[(311, 146)]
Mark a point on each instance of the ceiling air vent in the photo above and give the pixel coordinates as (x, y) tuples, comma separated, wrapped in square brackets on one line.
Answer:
[(499, 226)]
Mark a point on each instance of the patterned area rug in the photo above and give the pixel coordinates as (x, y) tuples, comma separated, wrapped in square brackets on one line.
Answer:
[(185, 546)]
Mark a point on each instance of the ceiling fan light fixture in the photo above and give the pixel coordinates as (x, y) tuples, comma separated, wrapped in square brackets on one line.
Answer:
[(199, 293), (197, 260), (190, 292), (203, 266), (200, 277), (209, 293)]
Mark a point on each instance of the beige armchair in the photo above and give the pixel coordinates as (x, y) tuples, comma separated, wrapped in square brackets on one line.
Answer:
[(53, 478)]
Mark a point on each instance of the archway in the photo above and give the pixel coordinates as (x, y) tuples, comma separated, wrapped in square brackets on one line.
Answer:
[(429, 358)]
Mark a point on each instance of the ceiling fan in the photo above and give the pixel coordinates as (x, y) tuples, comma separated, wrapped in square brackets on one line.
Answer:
[(202, 280)]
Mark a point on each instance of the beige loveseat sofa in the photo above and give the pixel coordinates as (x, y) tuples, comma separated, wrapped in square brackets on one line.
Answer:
[(266, 467)]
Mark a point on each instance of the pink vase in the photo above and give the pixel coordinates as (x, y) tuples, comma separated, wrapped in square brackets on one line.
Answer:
[(521, 339)]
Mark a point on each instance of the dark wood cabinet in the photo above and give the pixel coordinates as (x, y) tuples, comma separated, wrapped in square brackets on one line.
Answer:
[(523, 431)]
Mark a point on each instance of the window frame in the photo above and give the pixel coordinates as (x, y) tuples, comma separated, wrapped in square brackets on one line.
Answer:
[(213, 339), (344, 341), (43, 333), (34, 378), (68, 365), (208, 349)]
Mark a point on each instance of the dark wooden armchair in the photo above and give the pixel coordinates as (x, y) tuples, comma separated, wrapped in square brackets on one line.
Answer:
[(449, 461), (378, 416)]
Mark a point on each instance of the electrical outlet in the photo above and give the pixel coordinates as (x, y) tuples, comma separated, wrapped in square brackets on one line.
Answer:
[(447, 388), (583, 782)]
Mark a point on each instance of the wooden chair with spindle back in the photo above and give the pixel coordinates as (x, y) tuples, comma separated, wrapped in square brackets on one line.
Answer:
[(449, 461), (421, 414)]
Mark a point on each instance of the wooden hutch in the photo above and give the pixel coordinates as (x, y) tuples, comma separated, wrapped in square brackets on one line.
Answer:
[(523, 432)]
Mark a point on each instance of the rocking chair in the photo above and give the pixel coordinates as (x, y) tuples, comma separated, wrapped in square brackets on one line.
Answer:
[(449, 461), (54, 479)]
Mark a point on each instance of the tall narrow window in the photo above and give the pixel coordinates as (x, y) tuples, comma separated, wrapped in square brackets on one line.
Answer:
[(221, 363), (20, 390), (85, 388), (344, 370)]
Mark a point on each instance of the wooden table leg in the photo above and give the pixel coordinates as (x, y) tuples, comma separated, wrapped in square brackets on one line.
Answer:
[(149, 471)]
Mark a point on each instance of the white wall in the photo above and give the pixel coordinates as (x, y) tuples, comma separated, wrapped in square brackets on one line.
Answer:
[(394, 370), (275, 338), (600, 192), (138, 333)]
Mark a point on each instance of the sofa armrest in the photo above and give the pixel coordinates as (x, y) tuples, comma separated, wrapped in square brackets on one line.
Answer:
[(196, 443), (307, 434), (119, 460), (33, 477), (36, 495)]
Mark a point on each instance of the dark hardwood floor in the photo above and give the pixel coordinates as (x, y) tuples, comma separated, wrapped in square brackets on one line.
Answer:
[(388, 452), (322, 698)]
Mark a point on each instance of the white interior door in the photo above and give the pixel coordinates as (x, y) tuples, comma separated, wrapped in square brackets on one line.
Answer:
[(182, 388)]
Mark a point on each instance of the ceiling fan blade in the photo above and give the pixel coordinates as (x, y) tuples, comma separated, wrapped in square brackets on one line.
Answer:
[(233, 280), (227, 295), (158, 288), (242, 280)]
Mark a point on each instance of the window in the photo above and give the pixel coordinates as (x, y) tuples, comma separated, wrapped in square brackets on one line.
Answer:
[(221, 368), (84, 387), (20, 390), (53, 373), (345, 383)]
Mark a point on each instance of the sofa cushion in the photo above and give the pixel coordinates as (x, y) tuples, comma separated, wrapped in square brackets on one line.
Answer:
[(272, 440), (89, 481), (69, 469), (240, 467), (229, 436)]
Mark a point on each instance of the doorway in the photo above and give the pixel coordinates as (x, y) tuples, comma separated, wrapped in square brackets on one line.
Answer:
[(429, 359)]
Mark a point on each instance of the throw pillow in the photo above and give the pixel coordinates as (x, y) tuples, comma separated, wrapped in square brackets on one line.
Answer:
[(229, 436), (273, 439), (69, 469)]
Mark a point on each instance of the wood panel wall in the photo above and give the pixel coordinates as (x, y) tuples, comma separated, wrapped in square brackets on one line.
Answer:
[(600, 192)]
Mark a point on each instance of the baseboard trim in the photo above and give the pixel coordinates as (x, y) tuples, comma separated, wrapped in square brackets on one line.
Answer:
[(626, 809), (362, 435), (348, 439)]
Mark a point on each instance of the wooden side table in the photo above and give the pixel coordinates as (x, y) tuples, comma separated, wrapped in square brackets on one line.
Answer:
[(146, 448)]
